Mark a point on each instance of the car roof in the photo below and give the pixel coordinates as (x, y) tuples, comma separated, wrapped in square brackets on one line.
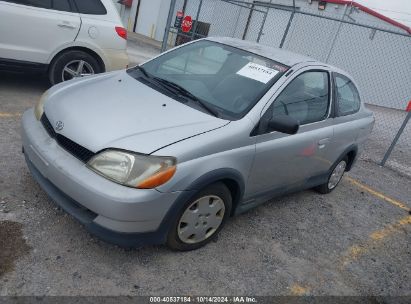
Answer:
[(276, 54)]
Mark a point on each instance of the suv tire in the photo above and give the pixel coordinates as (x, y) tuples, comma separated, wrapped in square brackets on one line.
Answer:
[(74, 64)]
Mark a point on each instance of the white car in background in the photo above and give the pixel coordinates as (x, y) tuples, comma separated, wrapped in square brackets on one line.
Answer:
[(65, 38)]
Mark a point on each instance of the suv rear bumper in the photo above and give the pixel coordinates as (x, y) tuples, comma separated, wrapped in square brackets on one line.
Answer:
[(115, 59)]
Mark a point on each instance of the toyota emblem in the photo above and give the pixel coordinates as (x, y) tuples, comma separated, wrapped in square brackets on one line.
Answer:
[(59, 125)]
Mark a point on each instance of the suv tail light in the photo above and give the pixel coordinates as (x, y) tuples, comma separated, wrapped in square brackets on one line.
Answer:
[(122, 32)]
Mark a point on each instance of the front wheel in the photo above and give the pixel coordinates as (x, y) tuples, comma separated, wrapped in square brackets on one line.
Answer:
[(335, 176), (201, 218)]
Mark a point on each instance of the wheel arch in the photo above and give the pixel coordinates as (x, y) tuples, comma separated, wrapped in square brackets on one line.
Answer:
[(236, 191), (351, 152), (231, 178), (79, 48)]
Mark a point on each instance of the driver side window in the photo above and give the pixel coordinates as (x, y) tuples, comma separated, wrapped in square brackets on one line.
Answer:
[(306, 98)]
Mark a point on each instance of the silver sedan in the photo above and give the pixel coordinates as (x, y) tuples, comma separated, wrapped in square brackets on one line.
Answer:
[(167, 151)]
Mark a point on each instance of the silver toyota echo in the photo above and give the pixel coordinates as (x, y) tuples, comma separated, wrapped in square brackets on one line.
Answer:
[(167, 151)]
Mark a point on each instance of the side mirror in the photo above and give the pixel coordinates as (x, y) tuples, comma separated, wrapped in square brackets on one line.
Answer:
[(284, 124)]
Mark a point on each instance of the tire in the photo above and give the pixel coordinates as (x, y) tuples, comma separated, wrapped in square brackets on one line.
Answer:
[(331, 185), (71, 59), (198, 211)]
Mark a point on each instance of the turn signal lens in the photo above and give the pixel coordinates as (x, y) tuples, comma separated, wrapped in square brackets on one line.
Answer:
[(157, 179), (133, 169)]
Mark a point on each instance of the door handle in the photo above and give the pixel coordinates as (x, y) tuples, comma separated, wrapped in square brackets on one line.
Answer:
[(66, 25), (323, 142)]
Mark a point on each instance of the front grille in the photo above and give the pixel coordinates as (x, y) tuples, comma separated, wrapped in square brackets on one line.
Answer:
[(70, 146), (78, 151), (47, 125)]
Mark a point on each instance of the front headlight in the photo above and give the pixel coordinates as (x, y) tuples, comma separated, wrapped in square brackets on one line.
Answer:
[(132, 169), (39, 108)]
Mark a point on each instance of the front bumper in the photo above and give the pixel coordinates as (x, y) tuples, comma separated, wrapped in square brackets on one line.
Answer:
[(113, 212)]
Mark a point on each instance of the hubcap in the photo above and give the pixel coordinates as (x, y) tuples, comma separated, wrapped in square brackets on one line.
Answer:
[(201, 219), (76, 69), (337, 174)]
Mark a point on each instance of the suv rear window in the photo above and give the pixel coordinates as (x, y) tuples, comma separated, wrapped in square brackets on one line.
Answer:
[(90, 7)]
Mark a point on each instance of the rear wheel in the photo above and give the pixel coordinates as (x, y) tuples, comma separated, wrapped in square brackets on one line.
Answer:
[(201, 218), (335, 176), (73, 64)]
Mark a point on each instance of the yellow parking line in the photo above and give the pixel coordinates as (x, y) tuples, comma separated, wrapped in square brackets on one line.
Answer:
[(9, 115), (383, 233), (374, 239), (377, 237), (378, 194), (298, 290)]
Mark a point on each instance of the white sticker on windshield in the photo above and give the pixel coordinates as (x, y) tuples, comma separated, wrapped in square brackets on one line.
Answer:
[(257, 72)]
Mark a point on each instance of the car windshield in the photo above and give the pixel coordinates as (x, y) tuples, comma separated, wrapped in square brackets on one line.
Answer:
[(216, 78)]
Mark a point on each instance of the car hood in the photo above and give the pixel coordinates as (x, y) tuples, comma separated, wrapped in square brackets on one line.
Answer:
[(116, 111)]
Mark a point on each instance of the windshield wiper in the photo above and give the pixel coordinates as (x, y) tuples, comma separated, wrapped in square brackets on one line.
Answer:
[(143, 70), (185, 93), (208, 108), (175, 87)]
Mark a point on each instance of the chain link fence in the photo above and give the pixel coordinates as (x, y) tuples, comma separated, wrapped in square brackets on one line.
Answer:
[(374, 51), (214, 18)]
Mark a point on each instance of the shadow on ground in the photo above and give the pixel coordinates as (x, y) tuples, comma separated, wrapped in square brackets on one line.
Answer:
[(12, 244)]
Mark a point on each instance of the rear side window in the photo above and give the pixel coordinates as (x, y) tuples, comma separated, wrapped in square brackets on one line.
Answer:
[(58, 5), (90, 7), (35, 3), (306, 98), (61, 5), (348, 99)]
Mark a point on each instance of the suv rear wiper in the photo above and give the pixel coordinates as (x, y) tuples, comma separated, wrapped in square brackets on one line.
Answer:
[(185, 93)]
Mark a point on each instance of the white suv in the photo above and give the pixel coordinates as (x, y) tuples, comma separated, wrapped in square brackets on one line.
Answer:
[(65, 38)]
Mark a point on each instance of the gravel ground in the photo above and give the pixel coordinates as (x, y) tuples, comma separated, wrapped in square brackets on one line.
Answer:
[(350, 242)]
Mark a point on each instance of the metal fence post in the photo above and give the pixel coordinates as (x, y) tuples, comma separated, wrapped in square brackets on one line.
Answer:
[(288, 26), (336, 34), (262, 25), (168, 25), (196, 21), (394, 142)]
